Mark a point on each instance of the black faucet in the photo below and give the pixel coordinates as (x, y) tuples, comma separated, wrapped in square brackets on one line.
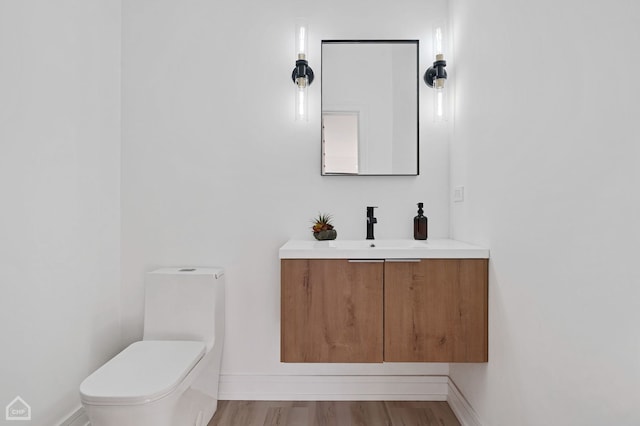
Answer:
[(370, 221)]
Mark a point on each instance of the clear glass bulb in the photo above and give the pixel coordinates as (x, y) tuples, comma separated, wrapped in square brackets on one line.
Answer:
[(440, 106), (440, 98), (302, 31), (437, 41), (301, 83), (302, 102)]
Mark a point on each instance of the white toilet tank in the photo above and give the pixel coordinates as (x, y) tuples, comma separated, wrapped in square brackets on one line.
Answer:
[(184, 304)]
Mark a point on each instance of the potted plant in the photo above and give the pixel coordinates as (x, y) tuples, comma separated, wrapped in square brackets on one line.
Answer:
[(323, 228)]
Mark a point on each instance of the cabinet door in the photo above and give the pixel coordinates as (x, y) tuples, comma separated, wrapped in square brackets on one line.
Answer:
[(331, 311), (436, 311)]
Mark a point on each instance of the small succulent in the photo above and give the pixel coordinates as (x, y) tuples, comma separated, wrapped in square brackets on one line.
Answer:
[(322, 223)]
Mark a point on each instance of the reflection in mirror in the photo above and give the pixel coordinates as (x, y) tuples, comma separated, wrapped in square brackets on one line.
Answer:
[(370, 107), (340, 129)]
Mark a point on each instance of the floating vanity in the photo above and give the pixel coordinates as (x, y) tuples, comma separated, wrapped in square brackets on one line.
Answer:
[(369, 301)]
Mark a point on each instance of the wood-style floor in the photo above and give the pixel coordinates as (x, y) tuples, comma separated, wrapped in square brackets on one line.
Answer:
[(333, 413)]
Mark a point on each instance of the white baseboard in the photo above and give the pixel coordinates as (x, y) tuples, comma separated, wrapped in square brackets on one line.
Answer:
[(334, 388), (77, 418), (461, 407)]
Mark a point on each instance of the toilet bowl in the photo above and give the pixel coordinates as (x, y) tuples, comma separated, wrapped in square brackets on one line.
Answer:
[(170, 378)]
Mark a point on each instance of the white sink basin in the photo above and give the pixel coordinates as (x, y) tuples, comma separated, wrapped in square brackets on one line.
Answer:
[(382, 249)]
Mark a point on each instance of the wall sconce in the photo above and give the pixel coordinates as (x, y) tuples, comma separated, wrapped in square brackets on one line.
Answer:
[(436, 75), (302, 74)]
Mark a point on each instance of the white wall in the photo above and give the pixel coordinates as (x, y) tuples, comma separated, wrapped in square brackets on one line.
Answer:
[(217, 172), (59, 182), (546, 144)]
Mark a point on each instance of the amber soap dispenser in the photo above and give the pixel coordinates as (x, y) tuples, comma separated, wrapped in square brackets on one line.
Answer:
[(420, 224)]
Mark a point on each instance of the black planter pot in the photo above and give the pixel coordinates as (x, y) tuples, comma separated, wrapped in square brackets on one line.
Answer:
[(329, 234)]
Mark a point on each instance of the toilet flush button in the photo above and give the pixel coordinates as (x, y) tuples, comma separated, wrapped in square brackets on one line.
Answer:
[(187, 270)]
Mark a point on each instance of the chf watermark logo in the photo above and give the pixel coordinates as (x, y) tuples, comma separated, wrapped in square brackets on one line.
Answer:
[(18, 409)]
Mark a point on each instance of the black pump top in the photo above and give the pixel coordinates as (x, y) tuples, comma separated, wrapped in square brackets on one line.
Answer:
[(420, 211)]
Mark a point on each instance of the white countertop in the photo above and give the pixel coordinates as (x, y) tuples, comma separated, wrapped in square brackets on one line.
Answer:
[(383, 249)]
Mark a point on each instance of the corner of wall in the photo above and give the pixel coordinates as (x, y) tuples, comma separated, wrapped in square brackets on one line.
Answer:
[(461, 407)]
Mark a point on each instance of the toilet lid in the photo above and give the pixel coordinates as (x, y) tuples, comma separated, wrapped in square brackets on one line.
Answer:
[(143, 372)]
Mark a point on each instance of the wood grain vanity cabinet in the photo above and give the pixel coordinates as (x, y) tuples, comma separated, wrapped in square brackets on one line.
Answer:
[(435, 310), (331, 310), (421, 310)]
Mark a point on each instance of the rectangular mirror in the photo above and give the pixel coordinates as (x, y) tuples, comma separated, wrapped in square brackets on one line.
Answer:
[(370, 107)]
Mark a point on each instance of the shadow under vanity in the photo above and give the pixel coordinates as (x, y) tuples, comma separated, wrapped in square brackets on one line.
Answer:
[(400, 301)]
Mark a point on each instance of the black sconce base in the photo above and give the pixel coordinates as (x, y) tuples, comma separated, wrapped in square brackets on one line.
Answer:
[(435, 72), (302, 69)]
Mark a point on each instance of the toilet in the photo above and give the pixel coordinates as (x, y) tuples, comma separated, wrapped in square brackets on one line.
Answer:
[(170, 378)]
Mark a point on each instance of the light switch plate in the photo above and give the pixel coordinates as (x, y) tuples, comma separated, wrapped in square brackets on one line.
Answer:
[(458, 194)]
